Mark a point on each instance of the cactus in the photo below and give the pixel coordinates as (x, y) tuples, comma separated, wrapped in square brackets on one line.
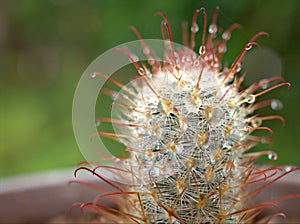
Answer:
[(188, 127)]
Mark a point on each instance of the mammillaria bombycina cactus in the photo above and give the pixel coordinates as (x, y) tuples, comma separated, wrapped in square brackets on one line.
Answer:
[(188, 125)]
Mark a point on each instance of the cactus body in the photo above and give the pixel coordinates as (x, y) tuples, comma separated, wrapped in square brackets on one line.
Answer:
[(187, 125)]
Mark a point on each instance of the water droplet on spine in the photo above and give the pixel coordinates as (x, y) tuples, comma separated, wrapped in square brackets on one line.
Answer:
[(238, 67), (250, 99), (289, 168), (216, 65), (226, 35), (272, 156), (256, 123), (98, 123), (114, 96), (202, 50), (197, 63), (93, 75), (213, 28), (248, 47), (146, 50), (276, 105), (263, 83), (209, 57), (134, 57), (195, 28), (222, 48), (141, 71)]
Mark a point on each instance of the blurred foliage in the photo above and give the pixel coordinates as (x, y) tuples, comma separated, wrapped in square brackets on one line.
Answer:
[(46, 45)]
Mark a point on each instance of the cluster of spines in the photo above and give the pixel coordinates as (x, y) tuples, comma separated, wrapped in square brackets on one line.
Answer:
[(194, 193)]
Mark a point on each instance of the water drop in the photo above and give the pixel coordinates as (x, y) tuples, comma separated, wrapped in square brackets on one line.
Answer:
[(272, 156), (250, 99), (222, 48), (202, 50), (276, 105), (248, 47), (227, 145), (288, 168), (146, 50), (216, 65), (226, 35), (209, 57), (213, 28), (197, 63), (141, 71), (114, 96), (263, 83), (93, 75), (98, 123), (134, 57), (195, 28), (256, 123), (238, 67)]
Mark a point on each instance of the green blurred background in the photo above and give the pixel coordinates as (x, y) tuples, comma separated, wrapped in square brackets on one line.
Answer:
[(45, 46)]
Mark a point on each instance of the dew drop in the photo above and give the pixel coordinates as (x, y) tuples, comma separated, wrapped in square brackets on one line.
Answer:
[(146, 50), (197, 63), (93, 75), (238, 67), (114, 96), (263, 83), (222, 48), (195, 28), (216, 65), (141, 71), (202, 50), (209, 57), (134, 58), (213, 28), (276, 105), (248, 47), (250, 99), (256, 123), (288, 168), (227, 145), (226, 35), (272, 156), (98, 123)]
